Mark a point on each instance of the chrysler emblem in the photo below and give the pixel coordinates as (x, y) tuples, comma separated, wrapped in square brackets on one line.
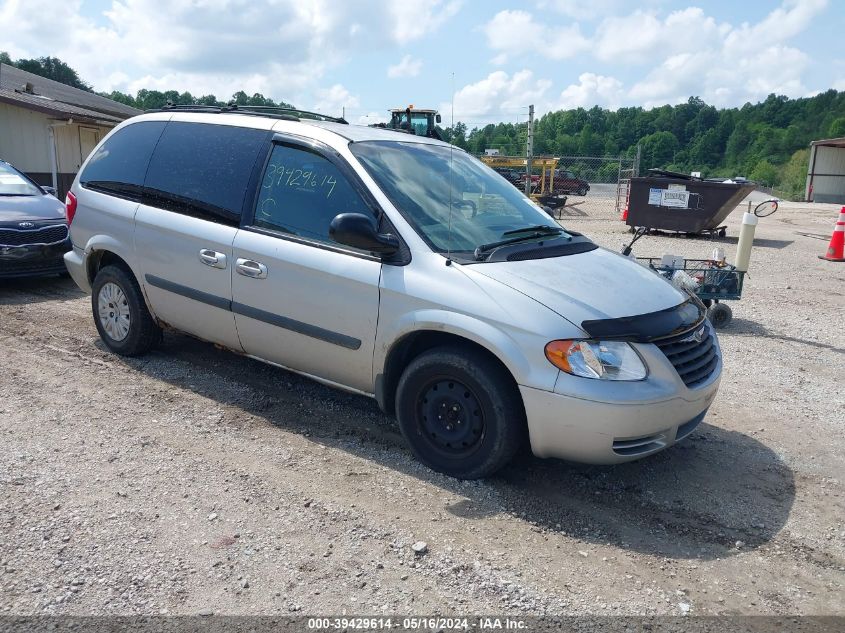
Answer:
[(26, 225), (696, 336)]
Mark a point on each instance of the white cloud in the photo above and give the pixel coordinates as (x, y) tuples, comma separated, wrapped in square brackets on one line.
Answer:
[(580, 10), (517, 33), (498, 94), (590, 90), (413, 21), (788, 20), (685, 52), (640, 36), (407, 67), (737, 65), (283, 48), (333, 100)]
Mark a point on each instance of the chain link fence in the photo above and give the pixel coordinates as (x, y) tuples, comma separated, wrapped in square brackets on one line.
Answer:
[(594, 186)]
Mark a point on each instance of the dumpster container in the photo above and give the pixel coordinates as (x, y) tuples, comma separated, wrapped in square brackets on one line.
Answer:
[(676, 202)]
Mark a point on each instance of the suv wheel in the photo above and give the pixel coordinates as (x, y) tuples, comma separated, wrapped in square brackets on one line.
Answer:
[(460, 413), (120, 314), (582, 191)]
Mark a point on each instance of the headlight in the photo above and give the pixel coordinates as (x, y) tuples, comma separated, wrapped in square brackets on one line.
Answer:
[(607, 360)]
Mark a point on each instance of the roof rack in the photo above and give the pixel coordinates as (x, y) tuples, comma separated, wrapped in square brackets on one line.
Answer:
[(276, 112)]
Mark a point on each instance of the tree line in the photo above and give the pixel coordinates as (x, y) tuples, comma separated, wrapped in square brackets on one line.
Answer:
[(57, 70), (767, 141)]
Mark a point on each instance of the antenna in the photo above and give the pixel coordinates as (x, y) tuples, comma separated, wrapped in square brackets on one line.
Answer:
[(451, 150)]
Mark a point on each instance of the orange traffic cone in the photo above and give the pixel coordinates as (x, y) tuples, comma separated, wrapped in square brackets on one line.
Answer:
[(625, 214), (836, 248)]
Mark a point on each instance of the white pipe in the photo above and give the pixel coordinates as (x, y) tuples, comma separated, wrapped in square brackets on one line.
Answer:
[(746, 240), (54, 161)]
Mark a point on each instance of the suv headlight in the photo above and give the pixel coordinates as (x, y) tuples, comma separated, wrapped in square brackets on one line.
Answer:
[(606, 360)]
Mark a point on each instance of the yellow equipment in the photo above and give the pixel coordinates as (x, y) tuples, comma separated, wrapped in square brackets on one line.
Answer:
[(540, 193)]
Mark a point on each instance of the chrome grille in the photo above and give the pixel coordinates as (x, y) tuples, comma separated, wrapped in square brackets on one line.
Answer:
[(41, 235), (694, 360)]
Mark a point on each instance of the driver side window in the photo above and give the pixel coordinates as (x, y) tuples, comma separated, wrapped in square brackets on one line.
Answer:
[(302, 192)]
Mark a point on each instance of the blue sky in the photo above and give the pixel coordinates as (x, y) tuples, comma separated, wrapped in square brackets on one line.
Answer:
[(369, 55)]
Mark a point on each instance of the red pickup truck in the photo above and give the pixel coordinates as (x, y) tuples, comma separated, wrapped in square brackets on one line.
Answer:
[(567, 182)]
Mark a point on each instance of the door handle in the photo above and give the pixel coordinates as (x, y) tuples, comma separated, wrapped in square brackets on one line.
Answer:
[(212, 258), (251, 268)]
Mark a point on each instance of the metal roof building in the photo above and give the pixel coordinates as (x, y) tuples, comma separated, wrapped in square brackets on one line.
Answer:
[(826, 171), (47, 128)]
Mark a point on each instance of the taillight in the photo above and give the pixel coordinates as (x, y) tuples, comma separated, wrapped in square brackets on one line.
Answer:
[(70, 206)]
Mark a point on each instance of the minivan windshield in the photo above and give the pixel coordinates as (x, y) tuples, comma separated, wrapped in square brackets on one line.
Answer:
[(13, 183), (453, 200)]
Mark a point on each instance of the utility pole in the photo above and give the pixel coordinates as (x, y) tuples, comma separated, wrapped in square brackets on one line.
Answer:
[(529, 150)]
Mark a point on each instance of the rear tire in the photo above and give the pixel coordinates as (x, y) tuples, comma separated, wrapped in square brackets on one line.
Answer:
[(120, 314), (460, 412), (582, 191)]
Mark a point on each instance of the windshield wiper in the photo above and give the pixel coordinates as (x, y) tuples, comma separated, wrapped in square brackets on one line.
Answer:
[(541, 231), (544, 228)]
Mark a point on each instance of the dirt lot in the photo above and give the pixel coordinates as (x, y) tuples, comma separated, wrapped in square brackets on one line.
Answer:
[(194, 480)]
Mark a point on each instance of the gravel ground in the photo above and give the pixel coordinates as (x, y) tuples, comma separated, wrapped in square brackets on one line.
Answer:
[(194, 480)]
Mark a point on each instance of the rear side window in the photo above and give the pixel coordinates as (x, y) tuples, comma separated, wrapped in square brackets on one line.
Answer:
[(203, 170), (118, 165)]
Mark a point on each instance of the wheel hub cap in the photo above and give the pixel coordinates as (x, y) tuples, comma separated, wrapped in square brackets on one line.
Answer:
[(113, 310)]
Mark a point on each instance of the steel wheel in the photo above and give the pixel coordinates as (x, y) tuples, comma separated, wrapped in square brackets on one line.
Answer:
[(113, 310), (451, 418)]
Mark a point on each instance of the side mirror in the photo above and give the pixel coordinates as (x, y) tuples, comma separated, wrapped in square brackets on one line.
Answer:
[(51, 190), (357, 230), (437, 118)]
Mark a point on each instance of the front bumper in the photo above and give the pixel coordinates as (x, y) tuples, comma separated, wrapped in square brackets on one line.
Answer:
[(597, 432), (33, 260)]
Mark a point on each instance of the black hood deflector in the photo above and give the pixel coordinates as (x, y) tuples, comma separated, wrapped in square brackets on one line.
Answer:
[(645, 328)]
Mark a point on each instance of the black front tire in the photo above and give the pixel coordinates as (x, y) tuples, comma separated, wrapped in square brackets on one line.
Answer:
[(143, 332), (487, 426), (582, 191)]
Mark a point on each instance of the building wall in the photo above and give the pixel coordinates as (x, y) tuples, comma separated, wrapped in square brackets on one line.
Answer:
[(25, 143), (827, 175)]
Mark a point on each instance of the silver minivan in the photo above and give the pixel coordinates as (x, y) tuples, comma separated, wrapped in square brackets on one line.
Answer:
[(391, 265)]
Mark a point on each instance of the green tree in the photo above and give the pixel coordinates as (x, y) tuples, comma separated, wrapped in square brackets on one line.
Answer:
[(53, 68), (765, 173), (793, 176), (837, 128), (658, 149), (4, 58)]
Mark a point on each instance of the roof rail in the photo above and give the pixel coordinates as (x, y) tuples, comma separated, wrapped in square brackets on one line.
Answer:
[(276, 112)]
